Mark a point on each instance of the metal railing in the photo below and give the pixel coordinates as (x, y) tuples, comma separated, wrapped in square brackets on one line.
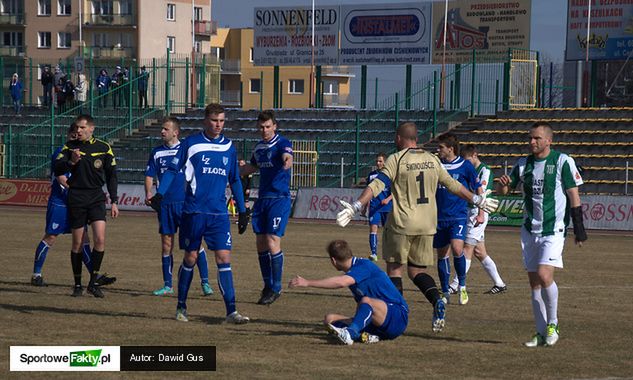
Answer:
[(109, 19), (230, 66), (205, 28), (12, 18)]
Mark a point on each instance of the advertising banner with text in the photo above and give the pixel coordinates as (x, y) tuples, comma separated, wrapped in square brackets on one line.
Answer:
[(322, 203), (610, 32), (489, 26), (385, 34), (283, 36)]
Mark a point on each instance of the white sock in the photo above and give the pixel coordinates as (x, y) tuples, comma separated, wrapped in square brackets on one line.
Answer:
[(491, 268), (550, 298), (538, 309)]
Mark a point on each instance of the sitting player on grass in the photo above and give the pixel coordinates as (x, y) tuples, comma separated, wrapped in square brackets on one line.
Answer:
[(382, 312)]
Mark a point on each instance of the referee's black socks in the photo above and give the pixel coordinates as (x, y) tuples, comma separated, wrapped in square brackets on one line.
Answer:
[(427, 286), (75, 261), (397, 281), (96, 258)]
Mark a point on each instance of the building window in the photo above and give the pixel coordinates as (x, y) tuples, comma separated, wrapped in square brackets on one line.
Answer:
[(171, 12), (197, 13), (11, 7), (198, 46), (330, 88), (171, 44), (125, 7), (102, 7), (44, 40), (63, 40), (100, 40), (44, 7), (12, 39), (250, 57), (295, 86), (64, 8), (255, 86)]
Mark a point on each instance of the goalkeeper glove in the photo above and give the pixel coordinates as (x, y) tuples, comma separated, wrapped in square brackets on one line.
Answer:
[(483, 202), (155, 201), (349, 210), (242, 220)]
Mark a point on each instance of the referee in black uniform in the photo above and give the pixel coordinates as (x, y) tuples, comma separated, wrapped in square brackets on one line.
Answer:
[(91, 164)]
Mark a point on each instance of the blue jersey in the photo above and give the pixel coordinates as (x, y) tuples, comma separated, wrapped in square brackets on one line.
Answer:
[(209, 165), (274, 180), (59, 194), (450, 206), (375, 203), (157, 165), (372, 282)]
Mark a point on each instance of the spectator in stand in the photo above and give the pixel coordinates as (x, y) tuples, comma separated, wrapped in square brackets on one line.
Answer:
[(142, 87), (16, 89), (47, 85), (81, 92), (103, 85)]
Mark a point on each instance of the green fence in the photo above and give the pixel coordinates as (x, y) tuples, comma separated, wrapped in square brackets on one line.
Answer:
[(171, 84)]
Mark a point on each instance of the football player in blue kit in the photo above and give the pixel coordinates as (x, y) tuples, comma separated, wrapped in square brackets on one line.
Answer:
[(171, 207), (57, 223), (379, 207), (272, 156), (381, 312), (452, 215), (209, 161)]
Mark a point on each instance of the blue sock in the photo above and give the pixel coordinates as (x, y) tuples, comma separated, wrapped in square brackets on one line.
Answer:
[(225, 283), (203, 266), (373, 242), (277, 261), (460, 268), (362, 318), (168, 264), (40, 257), (265, 267), (86, 256), (444, 273), (185, 275)]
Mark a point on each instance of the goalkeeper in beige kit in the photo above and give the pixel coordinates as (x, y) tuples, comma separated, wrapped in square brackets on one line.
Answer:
[(413, 174)]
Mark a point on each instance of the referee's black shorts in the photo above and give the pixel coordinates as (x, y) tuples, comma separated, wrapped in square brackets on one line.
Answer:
[(85, 207)]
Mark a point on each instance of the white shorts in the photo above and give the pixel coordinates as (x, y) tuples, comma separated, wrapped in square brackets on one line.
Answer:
[(475, 235), (541, 250)]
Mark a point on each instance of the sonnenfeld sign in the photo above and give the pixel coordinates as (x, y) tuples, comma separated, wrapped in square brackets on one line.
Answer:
[(385, 34), (490, 27), (283, 36), (610, 32)]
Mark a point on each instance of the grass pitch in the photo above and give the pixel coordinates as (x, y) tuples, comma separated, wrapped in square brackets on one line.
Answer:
[(286, 340)]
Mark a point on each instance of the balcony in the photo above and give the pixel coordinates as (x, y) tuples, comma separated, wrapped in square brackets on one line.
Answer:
[(12, 51), (337, 71), (230, 97), (110, 52), (11, 18), (337, 101), (99, 20), (230, 66), (205, 28)]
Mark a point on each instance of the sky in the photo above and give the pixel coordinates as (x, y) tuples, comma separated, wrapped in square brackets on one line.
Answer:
[(547, 32)]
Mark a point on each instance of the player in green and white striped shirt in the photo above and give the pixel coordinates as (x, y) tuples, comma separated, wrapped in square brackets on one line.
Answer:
[(549, 182), (475, 234)]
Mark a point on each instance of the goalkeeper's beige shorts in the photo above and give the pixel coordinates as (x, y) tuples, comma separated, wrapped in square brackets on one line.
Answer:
[(403, 249)]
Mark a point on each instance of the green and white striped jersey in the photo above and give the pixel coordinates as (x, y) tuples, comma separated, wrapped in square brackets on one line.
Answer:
[(544, 184)]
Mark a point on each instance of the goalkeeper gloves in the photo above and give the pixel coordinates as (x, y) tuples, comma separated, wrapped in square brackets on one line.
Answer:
[(242, 220), (155, 201), (483, 202), (349, 210)]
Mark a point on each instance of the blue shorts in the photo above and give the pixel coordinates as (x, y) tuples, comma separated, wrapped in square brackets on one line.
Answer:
[(169, 218), (214, 228), (270, 216), (449, 230), (379, 218), (57, 219), (395, 323)]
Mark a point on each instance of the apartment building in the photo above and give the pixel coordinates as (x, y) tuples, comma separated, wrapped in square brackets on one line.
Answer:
[(242, 84), (108, 29)]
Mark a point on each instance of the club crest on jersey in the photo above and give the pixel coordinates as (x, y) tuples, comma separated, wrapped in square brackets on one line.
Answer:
[(550, 169), (98, 163), (225, 160)]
